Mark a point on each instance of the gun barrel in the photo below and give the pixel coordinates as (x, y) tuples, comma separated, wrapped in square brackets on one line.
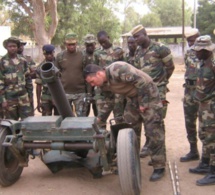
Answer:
[(49, 73)]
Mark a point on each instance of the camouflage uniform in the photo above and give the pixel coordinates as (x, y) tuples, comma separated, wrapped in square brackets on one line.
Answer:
[(157, 62), (191, 106), (71, 68), (205, 94), (107, 101), (13, 87), (90, 59), (140, 90), (129, 59), (46, 99), (32, 67)]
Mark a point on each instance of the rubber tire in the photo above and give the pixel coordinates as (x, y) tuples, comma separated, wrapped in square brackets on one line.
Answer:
[(128, 162), (8, 175)]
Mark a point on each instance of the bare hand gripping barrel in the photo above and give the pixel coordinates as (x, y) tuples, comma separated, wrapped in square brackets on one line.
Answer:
[(49, 74)]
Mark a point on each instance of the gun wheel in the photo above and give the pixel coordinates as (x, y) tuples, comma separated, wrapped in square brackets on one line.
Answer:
[(128, 162), (10, 170)]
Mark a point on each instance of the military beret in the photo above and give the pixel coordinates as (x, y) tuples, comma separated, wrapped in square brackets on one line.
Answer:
[(48, 48), (71, 38), (203, 42), (136, 29), (11, 39), (89, 38), (191, 32)]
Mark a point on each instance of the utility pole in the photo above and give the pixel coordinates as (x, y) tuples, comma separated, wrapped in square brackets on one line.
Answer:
[(194, 14), (183, 27)]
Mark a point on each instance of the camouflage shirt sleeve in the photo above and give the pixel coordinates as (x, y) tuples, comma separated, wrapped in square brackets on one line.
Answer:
[(167, 59), (2, 85)]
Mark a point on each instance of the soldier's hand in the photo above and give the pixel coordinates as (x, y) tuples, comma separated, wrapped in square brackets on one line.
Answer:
[(143, 109)]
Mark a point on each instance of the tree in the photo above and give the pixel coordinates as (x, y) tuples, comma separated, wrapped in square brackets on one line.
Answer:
[(205, 17), (169, 12), (40, 16), (151, 20)]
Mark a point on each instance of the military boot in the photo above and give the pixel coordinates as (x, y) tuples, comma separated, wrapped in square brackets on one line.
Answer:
[(157, 174), (202, 168), (209, 179), (192, 155), (145, 151)]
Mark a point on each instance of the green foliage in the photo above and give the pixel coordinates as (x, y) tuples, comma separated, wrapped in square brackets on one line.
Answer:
[(84, 17), (169, 12), (205, 17), (151, 20)]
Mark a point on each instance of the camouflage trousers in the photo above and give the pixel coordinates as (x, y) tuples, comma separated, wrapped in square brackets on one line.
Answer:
[(207, 129), (79, 102), (18, 107), (48, 108), (107, 102), (162, 92), (152, 120), (191, 107)]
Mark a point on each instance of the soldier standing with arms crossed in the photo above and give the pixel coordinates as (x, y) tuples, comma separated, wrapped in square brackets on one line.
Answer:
[(143, 105), (156, 60), (190, 104)]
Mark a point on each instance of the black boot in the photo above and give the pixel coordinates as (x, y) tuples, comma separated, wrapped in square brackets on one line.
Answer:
[(202, 168), (145, 151), (157, 174), (209, 179), (192, 155)]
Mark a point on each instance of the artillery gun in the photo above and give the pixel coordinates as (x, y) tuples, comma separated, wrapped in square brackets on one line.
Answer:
[(68, 139)]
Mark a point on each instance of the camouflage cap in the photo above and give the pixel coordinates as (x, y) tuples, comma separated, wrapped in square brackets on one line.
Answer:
[(203, 42), (71, 38), (11, 39), (89, 38), (136, 29), (191, 32)]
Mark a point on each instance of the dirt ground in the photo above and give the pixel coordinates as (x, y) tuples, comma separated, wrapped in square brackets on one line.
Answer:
[(38, 180)]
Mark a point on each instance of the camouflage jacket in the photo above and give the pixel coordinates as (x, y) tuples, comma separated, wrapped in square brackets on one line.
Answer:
[(123, 78), (129, 59), (205, 85), (13, 77), (191, 65), (88, 59), (104, 57), (46, 95), (31, 66), (156, 61)]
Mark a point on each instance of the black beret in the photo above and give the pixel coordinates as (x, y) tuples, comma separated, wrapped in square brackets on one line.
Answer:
[(48, 48)]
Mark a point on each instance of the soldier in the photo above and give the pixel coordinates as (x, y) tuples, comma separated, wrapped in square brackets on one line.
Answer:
[(107, 101), (70, 64), (143, 105), (44, 102), (14, 75), (132, 46), (32, 68), (189, 103), (90, 46), (205, 94), (155, 59)]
